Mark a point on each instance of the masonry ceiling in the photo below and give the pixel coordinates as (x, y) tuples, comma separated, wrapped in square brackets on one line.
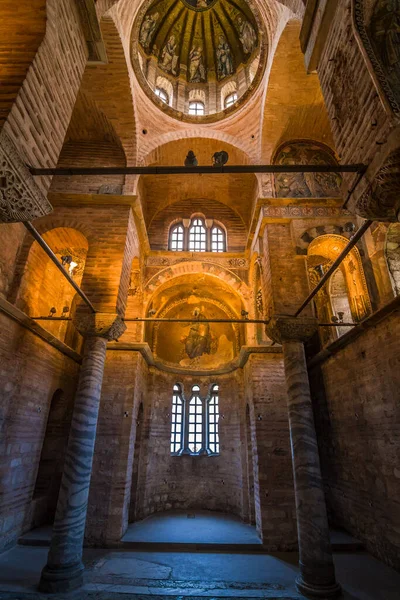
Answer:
[(235, 190), (294, 106)]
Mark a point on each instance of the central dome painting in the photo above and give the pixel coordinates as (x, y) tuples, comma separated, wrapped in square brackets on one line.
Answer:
[(204, 43)]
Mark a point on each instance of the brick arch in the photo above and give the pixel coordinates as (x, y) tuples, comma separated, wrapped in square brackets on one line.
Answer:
[(203, 133), (311, 234), (239, 287)]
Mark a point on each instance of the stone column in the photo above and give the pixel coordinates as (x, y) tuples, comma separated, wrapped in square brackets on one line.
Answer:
[(317, 571), (64, 569)]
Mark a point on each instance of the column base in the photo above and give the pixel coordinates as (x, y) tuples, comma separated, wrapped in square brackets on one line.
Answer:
[(310, 590), (56, 580)]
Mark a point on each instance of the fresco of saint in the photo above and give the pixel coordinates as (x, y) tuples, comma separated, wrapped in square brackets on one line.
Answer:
[(147, 29), (247, 35), (169, 56), (224, 58), (197, 71), (199, 340)]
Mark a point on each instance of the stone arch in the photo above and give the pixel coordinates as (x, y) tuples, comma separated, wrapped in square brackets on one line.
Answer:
[(392, 255), (311, 234), (195, 132), (196, 267)]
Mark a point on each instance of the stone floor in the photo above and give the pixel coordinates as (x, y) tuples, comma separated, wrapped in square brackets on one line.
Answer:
[(115, 574), (160, 573)]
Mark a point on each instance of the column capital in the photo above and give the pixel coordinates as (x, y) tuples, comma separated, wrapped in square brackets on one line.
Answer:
[(20, 197), (106, 325), (283, 328), (381, 199)]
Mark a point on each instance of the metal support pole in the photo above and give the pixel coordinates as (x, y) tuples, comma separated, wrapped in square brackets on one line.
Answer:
[(181, 170), (356, 237), (59, 266)]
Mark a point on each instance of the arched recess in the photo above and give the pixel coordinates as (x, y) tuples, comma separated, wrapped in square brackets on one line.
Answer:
[(22, 29), (48, 480), (345, 296), (392, 252), (306, 185), (195, 343), (43, 287), (311, 234), (238, 191)]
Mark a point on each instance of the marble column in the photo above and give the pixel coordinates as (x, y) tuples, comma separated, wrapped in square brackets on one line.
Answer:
[(64, 569), (317, 572)]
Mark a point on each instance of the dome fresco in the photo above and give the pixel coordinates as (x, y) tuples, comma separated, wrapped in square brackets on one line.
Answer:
[(199, 42)]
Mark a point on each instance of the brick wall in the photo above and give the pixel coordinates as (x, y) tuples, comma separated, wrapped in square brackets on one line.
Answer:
[(187, 482), (275, 511), (357, 413), (29, 376), (160, 225)]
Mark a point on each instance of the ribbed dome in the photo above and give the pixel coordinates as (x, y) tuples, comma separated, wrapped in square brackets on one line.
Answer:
[(199, 40)]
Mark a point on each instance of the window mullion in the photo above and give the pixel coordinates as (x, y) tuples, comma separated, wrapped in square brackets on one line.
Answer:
[(186, 427)]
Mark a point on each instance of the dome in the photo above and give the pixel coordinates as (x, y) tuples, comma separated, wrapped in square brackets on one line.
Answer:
[(207, 52)]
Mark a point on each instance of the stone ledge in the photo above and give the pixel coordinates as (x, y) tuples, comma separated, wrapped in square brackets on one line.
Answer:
[(237, 363), (20, 317), (352, 335)]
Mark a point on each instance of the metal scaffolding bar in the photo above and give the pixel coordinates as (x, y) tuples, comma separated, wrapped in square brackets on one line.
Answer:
[(181, 170), (34, 232), (356, 237)]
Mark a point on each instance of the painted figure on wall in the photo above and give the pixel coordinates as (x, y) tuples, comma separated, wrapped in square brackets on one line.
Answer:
[(199, 340), (199, 4), (147, 29), (306, 185), (197, 72), (385, 30), (247, 35), (169, 56), (224, 58)]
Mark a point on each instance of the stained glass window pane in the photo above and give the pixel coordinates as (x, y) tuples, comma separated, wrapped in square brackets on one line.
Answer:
[(176, 239), (213, 421), (195, 439), (217, 240)]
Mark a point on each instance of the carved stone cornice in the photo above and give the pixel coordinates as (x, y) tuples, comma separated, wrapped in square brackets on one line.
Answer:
[(20, 197), (283, 328), (106, 325), (381, 200)]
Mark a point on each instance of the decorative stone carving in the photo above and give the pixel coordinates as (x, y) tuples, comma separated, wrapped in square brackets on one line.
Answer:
[(106, 325), (302, 212), (306, 185), (230, 263), (378, 29), (285, 328), (381, 200), (20, 197)]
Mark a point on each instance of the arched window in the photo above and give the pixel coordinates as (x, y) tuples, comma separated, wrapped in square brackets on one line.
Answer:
[(218, 240), (162, 94), (196, 108), (195, 437), (177, 420), (176, 237), (213, 419), (197, 236), (230, 100)]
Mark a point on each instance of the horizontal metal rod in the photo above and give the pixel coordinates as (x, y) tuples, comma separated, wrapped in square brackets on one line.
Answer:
[(356, 237), (181, 170), (51, 318), (34, 232), (166, 320)]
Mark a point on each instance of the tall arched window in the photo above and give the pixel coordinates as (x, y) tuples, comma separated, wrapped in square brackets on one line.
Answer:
[(177, 420), (162, 94), (176, 237), (197, 108), (213, 419), (218, 240), (197, 236), (230, 100), (195, 437)]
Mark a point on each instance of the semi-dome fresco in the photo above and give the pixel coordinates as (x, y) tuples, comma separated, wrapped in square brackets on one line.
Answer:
[(212, 47)]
